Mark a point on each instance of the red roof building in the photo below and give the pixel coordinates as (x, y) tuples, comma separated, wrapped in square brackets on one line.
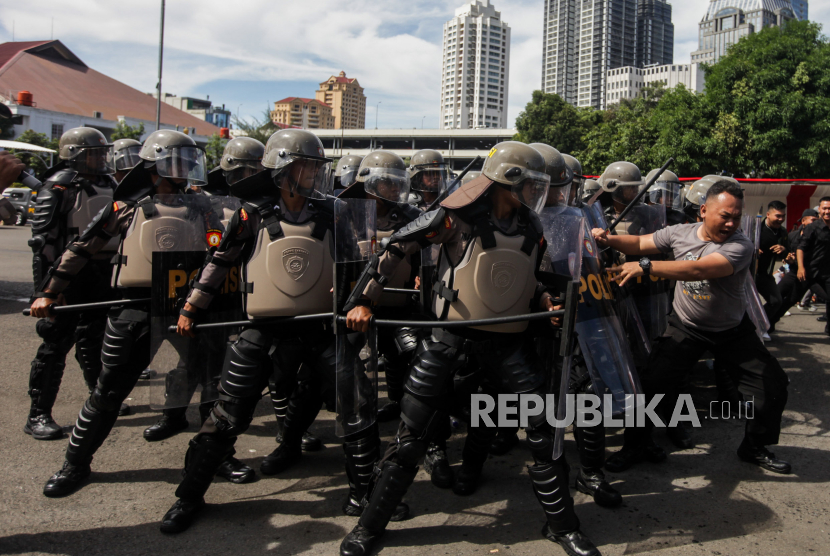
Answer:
[(66, 93), (304, 113)]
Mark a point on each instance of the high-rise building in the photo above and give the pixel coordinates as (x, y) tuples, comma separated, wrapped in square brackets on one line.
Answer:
[(476, 64), (345, 97), (304, 113), (655, 33), (801, 9), (726, 21), (583, 39)]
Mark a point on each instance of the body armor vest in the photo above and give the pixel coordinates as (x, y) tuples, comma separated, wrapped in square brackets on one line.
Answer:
[(291, 275), (155, 227), (397, 280), (489, 283), (85, 209)]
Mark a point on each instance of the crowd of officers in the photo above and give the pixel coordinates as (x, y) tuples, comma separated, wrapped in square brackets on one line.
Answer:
[(97, 206)]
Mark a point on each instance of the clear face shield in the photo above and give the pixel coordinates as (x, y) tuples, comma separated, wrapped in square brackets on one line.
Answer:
[(667, 193), (386, 183), (125, 159), (559, 196), (183, 163), (245, 169), (348, 176), (305, 177), (93, 160), (532, 191), (433, 179), (624, 193)]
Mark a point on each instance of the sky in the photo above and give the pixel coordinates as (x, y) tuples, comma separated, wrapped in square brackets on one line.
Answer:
[(248, 54)]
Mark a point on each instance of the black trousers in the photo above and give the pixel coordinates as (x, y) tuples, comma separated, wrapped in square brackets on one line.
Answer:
[(791, 290), (769, 290), (84, 330), (758, 374)]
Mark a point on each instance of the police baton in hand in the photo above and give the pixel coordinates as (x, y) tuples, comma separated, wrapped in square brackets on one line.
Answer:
[(640, 195), (25, 178)]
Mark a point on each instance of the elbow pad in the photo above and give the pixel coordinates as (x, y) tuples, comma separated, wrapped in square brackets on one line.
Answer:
[(421, 227), (47, 210)]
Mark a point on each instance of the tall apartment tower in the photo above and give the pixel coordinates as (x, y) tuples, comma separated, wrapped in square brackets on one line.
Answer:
[(476, 65), (724, 24), (345, 97), (801, 9), (583, 39), (655, 33)]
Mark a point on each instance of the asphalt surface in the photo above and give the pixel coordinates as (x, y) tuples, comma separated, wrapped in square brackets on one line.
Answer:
[(701, 502)]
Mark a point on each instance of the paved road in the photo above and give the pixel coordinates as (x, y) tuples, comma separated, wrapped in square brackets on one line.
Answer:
[(702, 502)]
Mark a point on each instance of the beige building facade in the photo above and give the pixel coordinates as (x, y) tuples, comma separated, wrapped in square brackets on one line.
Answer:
[(345, 97), (303, 113)]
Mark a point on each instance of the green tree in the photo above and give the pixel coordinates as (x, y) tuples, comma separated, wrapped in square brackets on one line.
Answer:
[(259, 129), (123, 130), (214, 149), (31, 159), (547, 118), (768, 102)]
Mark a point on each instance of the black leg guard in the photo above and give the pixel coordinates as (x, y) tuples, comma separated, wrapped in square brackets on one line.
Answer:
[(44, 384), (386, 493), (591, 443), (91, 429), (361, 457), (89, 339), (477, 446), (550, 483), (303, 407), (204, 456)]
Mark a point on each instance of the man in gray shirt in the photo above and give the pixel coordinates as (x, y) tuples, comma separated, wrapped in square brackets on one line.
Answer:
[(711, 268)]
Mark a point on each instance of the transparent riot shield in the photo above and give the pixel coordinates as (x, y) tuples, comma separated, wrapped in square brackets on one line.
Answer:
[(564, 229), (187, 227), (601, 337), (429, 265), (355, 239)]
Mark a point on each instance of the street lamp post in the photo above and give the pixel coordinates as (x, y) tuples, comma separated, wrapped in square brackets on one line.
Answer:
[(377, 107), (161, 52)]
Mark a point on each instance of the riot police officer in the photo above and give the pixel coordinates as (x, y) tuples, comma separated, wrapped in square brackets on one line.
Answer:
[(73, 192), (125, 157), (286, 211), (575, 166), (345, 174), (170, 160), (492, 217), (429, 176), (667, 191)]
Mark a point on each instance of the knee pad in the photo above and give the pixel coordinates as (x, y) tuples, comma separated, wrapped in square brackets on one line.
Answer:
[(411, 451), (232, 416), (241, 373), (429, 374), (522, 371), (420, 417), (119, 339), (107, 400), (88, 355)]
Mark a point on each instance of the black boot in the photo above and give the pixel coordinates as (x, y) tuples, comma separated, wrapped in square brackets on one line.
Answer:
[(281, 459), (762, 457), (632, 455), (593, 483), (438, 466), (311, 443), (384, 499), (180, 517), (172, 422), (235, 471), (476, 449), (124, 410), (147, 374), (680, 436), (550, 484), (91, 429), (66, 480), (204, 456), (467, 479), (42, 427)]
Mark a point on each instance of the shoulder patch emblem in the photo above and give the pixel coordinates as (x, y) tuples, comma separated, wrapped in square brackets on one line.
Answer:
[(214, 238), (243, 214), (447, 223), (115, 207)]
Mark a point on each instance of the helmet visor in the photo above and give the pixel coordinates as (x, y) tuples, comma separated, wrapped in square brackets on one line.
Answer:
[(390, 184), (126, 158), (625, 193), (93, 160), (183, 163), (432, 179), (667, 193), (532, 190), (305, 177), (244, 169), (348, 176), (559, 196)]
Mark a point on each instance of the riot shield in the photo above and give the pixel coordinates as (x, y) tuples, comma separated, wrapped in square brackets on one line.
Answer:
[(647, 312), (564, 229), (188, 365), (355, 240), (601, 337)]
